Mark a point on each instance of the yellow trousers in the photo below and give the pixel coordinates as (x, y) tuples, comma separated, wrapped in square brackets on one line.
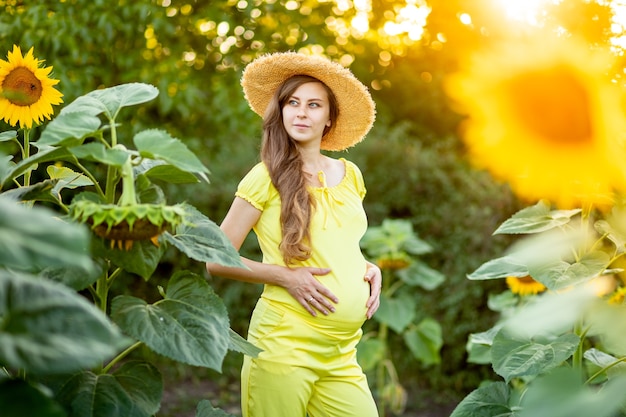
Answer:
[(308, 366)]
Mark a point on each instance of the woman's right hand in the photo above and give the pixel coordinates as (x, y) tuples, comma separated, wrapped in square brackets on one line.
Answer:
[(302, 285)]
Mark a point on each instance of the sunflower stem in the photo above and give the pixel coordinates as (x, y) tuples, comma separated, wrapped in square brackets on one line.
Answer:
[(120, 357), (128, 197), (91, 177), (26, 155)]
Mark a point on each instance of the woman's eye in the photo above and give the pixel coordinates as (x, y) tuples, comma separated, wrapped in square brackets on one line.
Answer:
[(293, 102)]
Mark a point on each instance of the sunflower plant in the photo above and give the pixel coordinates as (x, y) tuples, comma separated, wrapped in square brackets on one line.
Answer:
[(395, 247), (81, 210), (544, 115)]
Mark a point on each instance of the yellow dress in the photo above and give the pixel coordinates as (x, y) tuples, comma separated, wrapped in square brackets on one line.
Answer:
[(308, 364)]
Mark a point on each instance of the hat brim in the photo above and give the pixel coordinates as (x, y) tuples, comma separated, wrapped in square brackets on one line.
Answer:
[(357, 110)]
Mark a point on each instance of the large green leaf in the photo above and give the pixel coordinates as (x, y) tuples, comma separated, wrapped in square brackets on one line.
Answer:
[(397, 312), (500, 268), (206, 409), (158, 144), (478, 346), (133, 390), (536, 219), (68, 129), (40, 332), (418, 273), (20, 399), (142, 258), (202, 240), (393, 236), (514, 357), (425, 341), (39, 191), (33, 238), (46, 155), (561, 274), (110, 100), (370, 352), (241, 345), (551, 313), (66, 178), (562, 394), (8, 135), (190, 325), (161, 170), (96, 151), (490, 400)]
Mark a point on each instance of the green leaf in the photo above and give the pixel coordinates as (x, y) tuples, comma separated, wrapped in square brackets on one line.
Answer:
[(8, 135), (206, 409), (73, 277), (142, 259), (561, 274), (562, 394), (611, 365), (478, 346), (491, 400), (134, 390), (67, 178), (241, 345), (68, 129), (111, 100), (514, 357), (425, 341), (393, 236), (551, 313), (97, 152), (160, 170), (536, 219), (46, 155), (190, 325), (500, 268), (398, 312), (40, 333), (19, 399), (370, 352), (158, 144), (202, 240), (39, 191), (418, 273), (32, 238)]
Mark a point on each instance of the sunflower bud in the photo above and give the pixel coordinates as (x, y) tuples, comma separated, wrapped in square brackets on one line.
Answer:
[(123, 225)]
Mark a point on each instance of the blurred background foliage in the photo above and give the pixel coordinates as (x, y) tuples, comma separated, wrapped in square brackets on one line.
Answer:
[(414, 164)]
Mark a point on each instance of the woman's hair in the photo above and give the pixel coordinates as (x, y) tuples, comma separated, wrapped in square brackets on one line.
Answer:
[(284, 163)]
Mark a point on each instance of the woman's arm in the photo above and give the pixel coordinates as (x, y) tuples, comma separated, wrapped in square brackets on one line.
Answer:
[(299, 282)]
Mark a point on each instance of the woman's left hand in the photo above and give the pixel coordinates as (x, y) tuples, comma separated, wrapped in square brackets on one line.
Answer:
[(375, 279)]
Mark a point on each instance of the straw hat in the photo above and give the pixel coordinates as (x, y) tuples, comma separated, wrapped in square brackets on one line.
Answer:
[(357, 111)]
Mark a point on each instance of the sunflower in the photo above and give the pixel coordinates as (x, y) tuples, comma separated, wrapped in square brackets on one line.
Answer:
[(26, 92), (525, 285), (544, 116)]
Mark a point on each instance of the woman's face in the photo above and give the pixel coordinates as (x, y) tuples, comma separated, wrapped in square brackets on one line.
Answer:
[(306, 113)]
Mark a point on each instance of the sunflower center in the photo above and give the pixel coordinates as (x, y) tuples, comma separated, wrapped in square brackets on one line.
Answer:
[(526, 280), (553, 104), (21, 87)]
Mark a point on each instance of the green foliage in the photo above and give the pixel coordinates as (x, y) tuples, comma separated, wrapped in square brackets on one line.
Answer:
[(560, 353), (86, 240), (395, 246)]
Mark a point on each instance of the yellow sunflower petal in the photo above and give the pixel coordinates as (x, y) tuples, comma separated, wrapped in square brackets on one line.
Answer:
[(524, 285), (27, 94), (545, 117)]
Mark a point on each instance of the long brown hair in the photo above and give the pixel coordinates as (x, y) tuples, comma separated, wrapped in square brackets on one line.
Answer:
[(284, 163)]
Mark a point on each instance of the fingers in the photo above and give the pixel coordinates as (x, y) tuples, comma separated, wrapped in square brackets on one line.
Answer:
[(318, 302), (373, 275)]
